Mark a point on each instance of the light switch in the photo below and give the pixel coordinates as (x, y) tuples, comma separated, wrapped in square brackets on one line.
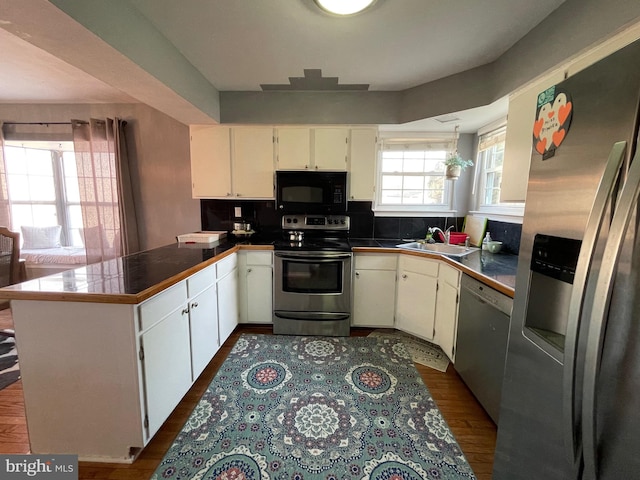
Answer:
[(237, 211)]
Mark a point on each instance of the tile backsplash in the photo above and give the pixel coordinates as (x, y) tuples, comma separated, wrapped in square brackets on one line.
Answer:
[(220, 215)]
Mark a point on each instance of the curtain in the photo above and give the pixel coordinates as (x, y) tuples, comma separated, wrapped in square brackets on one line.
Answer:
[(5, 207), (108, 230)]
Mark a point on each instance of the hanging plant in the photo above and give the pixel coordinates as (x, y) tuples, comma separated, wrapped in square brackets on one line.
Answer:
[(455, 164)]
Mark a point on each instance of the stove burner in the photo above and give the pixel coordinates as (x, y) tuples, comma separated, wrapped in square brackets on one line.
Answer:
[(318, 233)]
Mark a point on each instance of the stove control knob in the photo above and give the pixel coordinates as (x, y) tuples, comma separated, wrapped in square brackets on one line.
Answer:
[(295, 220), (288, 220), (342, 221)]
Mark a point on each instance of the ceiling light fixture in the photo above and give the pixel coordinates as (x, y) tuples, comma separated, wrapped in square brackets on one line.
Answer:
[(344, 7)]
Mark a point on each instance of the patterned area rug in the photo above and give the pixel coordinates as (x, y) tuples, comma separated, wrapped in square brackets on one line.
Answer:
[(9, 372), (302, 408), (422, 352)]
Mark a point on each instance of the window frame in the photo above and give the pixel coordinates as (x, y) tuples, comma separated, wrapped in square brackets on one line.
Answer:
[(61, 203), (488, 137), (444, 142)]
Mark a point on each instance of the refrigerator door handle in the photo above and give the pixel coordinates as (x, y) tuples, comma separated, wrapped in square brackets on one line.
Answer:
[(577, 300), (598, 322)]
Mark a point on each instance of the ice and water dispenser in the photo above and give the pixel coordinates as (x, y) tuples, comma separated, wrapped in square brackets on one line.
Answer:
[(553, 267)]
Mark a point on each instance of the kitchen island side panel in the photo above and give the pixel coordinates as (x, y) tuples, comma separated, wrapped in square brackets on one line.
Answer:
[(80, 376)]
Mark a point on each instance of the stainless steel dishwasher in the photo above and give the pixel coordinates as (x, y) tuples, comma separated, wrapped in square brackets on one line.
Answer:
[(481, 347)]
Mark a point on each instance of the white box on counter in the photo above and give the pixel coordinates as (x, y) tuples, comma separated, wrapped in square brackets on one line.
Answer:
[(201, 237)]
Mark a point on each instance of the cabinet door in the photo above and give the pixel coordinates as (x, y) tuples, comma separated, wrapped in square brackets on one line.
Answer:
[(257, 298), (362, 163), (203, 318), (167, 366), (210, 162), (253, 162), (374, 295), (330, 147), (416, 303), (227, 305), (294, 148), (447, 318)]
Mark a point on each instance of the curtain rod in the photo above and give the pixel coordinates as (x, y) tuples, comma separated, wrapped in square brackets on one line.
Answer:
[(38, 123)]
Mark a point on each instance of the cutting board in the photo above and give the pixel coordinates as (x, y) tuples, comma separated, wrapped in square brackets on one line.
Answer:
[(475, 228)]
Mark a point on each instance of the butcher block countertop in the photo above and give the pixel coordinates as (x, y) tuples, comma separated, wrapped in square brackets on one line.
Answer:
[(134, 278)]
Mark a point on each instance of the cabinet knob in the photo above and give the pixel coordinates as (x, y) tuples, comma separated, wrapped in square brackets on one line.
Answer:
[(357, 274), (194, 304), (185, 311), (228, 194), (404, 275), (248, 270), (306, 166)]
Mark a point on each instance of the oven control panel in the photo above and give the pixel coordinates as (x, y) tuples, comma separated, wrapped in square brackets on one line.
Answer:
[(315, 222)]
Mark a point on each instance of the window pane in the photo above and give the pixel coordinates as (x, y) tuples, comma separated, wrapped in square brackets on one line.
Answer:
[(42, 188), (391, 181), (44, 215), (391, 165), (16, 160), (433, 197), (393, 197), (413, 183), (414, 165), (21, 215), (434, 166), (412, 197), (39, 162), (18, 187)]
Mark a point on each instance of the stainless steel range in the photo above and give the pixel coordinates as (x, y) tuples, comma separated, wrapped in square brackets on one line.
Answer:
[(312, 276)]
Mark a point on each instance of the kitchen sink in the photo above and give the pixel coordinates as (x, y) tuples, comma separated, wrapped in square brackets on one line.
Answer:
[(441, 248)]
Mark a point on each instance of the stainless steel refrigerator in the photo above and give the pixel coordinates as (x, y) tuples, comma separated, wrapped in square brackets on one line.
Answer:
[(570, 406)]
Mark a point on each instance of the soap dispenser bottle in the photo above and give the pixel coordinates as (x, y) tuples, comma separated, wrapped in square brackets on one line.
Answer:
[(485, 242)]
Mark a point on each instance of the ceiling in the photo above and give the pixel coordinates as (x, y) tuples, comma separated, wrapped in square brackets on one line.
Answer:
[(240, 45)]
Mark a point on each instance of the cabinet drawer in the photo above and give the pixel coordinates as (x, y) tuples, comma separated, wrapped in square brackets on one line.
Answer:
[(162, 304), (259, 258), (418, 265), (197, 282), (225, 266), (449, 275), (375, 262)]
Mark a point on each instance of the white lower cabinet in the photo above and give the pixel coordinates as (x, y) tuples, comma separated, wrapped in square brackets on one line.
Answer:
[(228, 314), (166, 361), (374, 290), (416, 296), (203, 319), (255, 286), (447, 309)]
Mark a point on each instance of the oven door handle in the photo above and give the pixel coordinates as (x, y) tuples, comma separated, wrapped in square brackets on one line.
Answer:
[(325, 257), (311, 316)]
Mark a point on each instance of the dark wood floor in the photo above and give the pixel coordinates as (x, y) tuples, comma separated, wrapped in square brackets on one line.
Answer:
[(471, 426)]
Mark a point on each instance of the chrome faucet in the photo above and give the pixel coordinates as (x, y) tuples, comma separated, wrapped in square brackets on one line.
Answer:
[(444, 234)]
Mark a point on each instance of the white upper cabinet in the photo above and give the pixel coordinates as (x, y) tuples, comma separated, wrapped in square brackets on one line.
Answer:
[(252, 154), (330, 148), (210, 161), (232, 162), (362, 163), (293, 148)]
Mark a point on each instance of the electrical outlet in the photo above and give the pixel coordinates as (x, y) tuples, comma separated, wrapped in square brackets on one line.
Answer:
[(237, 211)]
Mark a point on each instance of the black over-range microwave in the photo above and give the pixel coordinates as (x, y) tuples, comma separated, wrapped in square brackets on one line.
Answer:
[(303, 191)]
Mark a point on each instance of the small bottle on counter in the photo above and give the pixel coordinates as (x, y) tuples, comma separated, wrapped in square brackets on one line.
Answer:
[(487, 239)]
